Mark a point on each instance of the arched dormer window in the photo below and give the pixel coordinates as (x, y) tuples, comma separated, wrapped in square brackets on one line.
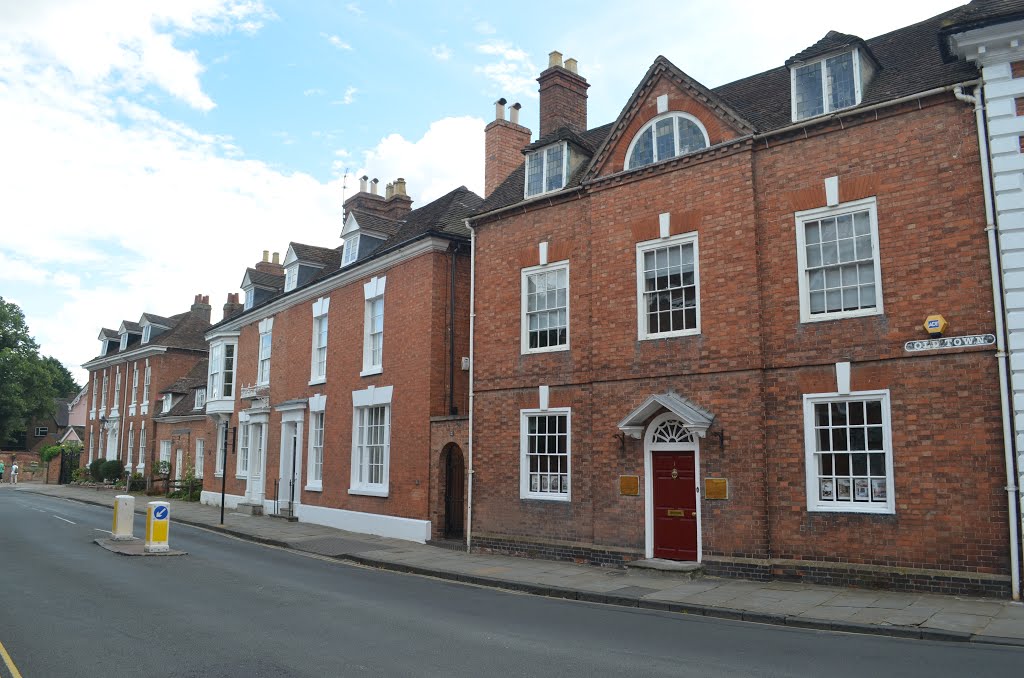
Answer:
[(670, 134)]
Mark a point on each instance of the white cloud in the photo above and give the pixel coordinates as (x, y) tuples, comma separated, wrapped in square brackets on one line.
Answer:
[(355, 8), (313, 91), (337, 42), (107, 44), (513, 74), (449, 154), (441, 52), (350, 93)]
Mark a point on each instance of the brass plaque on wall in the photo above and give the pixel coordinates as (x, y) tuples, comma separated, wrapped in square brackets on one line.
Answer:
[(716, 488), (629, 485)]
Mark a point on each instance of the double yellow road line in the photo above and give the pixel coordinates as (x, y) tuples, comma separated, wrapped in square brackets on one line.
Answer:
[(9, 662)]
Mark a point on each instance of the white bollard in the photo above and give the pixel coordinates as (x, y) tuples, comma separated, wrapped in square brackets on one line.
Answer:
[(158, 520), (124, 518)]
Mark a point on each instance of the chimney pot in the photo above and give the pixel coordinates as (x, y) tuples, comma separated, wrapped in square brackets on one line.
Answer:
[(266, 255), (570, 65), (514, 113), (400, 186), (554, 59), (362, 184), (206, 298), (499, 109), (373, 185), (277, 258), (389, 191)]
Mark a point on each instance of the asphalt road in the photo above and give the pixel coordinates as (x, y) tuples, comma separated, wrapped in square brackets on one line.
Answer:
[(232, 608)]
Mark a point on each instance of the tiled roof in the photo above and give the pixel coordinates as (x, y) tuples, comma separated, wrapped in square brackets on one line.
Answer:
[(185, 331), (909, 62), (320, 256), (129, 326), (108, 333), (374, 222), (832, 42), (154, 319), (186, 387), (444, 216), (265, 278)]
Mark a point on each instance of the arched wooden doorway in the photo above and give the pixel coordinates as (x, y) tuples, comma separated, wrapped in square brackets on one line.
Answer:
[(454, 470)]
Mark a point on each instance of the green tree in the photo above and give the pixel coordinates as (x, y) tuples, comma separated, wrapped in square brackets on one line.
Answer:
[(61, 378), (26, 380)]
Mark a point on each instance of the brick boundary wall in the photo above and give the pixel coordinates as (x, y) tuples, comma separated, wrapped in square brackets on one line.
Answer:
[(828, 574)]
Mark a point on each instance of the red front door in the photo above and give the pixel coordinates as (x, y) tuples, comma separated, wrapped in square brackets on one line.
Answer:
[(675, 506)]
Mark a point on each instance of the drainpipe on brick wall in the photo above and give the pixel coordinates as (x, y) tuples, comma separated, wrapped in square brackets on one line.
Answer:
[(472, 323), (997, 297)]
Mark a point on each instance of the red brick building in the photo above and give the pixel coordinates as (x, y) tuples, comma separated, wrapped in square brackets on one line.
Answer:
[(699, 330), (129, 382), (182, 431), (339, 391)]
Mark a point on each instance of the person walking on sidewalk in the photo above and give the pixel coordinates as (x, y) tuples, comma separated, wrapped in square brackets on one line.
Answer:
[(14, 473), (1, 471)]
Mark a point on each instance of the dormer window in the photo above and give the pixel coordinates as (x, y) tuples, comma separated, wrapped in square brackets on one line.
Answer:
[(103, 347), (200, 398), (168, 403), (826, 85), (250, 296), (351, 251), (667, 136), (546, 169), (291, 277), (124, 341), (147, 332)]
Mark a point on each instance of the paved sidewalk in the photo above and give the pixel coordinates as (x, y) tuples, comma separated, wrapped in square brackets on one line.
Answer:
[(909, 615)]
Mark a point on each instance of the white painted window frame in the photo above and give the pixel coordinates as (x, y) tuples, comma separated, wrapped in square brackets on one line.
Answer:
[(200, 456), (130, 446), (545, 170), (321, 326), (200, 400), (802, 217), (814, 504), (291, 277), (372, 291), (675, 126), (250, 298), (690, 238), (242, 458), (165, 451), (147, 333), (147, 376), (315, 457), (103, 395), (124, 342), (114, 406), (826, 103), (362, 400), (42, 431), (135, 383), (524, 464), (350, 251), (264, 350), (142, 449), (524, 325)]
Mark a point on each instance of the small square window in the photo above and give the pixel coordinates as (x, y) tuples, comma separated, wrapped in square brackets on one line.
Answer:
[(546, 169)]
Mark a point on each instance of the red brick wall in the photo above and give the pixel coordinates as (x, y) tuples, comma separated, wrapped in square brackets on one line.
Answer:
[(503, 145), (415, 359), (563, 100), (754, 359)]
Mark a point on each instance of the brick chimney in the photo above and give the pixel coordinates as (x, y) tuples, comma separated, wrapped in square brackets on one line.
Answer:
[(395, 204), (504, 141), (201, 307), (563, 96), (268, 266), (232, 306)]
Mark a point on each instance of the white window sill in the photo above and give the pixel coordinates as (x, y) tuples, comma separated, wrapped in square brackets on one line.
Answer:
[(244, 477), (670, 335), (370, 371), (854, 508), (314, 488), (218, 475), (548, 349), (819, 317), (317, 380), (368, 491), (131, 411), (262, 384), (545, 497), (145, 410)]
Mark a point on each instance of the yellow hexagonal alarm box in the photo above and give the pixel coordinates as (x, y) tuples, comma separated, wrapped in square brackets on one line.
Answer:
[(935, 325)]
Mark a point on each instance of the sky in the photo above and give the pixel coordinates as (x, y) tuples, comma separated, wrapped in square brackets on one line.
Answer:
[(151, 150)]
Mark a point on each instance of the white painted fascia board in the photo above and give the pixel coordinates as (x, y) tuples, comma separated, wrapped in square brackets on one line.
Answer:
[(354, 273), (222, 334)]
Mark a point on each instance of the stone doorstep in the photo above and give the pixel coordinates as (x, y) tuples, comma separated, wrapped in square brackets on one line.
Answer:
[(668, 568), (249, 509)]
